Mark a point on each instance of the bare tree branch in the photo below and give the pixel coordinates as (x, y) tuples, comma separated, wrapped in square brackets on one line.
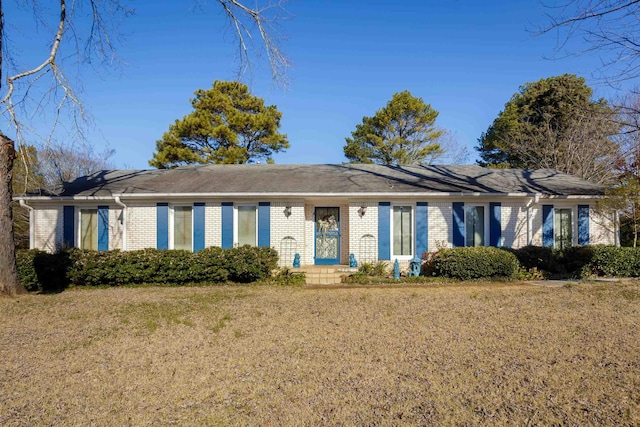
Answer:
[(609, 28), (265, 20)]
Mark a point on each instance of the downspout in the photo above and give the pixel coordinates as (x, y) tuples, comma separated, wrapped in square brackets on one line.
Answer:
[(534, 200), (616, 227), (31, 224), (124, 222)]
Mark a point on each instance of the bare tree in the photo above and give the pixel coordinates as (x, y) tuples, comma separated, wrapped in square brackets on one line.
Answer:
[(85, 33), (65, 163), (451, 151), (608, 28)]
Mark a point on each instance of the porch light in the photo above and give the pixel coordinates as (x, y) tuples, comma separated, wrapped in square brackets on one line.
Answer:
[(287, 211), (362, 211)]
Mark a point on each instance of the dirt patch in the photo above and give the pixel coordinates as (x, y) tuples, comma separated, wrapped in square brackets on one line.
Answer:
[(500, 354)]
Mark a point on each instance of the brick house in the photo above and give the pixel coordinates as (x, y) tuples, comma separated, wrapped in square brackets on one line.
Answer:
[(324, 213)]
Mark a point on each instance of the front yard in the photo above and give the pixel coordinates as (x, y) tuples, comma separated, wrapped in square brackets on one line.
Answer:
[(500, 354)]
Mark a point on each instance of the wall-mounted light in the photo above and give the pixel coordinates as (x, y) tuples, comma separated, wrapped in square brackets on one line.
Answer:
[(287, 211), (362, 211)]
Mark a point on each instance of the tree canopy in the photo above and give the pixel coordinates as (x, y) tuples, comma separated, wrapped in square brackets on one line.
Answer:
[(227, 125), (553, 123), (402, 132)]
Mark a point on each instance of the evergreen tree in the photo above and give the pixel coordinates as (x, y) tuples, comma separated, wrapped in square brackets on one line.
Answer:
[(227, 125), (553, 123), (402, 132)]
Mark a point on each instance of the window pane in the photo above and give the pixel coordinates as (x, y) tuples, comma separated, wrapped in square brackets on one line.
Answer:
[(474, 226), (402, 225), (89, 229), (182, 231), (562, 228), (247, 225)]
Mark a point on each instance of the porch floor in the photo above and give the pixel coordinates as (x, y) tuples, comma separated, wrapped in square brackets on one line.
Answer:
[(324, 274)]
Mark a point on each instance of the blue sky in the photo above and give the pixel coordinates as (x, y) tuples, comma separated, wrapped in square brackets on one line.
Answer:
[(464, 57)]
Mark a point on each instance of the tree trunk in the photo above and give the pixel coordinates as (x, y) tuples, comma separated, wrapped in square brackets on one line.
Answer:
[(9, 283)]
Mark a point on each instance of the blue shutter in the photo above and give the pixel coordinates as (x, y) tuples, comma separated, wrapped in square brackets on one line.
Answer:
[(583, 224), (227, 225), (68, 224), (384, 230), (103, 228), (264, 224), (162, 226), (495, 227), (422, 228), (198, 227), (547, 225), (458, 224)]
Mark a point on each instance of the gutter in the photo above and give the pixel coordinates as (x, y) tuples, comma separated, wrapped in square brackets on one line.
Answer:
[(31, 223), (124, 222), (359, 195)]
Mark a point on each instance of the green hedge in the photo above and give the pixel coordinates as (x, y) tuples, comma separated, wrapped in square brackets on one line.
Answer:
[(472, 263), (581, 261), (614, 261), (40, 271)]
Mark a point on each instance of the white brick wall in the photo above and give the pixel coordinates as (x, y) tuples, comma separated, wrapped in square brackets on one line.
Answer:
[(141, 225), (213, 224), (47, 226), (440, 224), (367, 225), (283, 227), (115, 227), (601, 229), (513, 220)]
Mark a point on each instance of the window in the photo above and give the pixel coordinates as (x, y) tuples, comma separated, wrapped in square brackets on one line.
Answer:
[(89, 229), (402, 231), (474, 223), (562, 235), (247, 225), (183, 227)]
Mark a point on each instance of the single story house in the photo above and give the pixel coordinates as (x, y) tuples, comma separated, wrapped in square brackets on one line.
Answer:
[(324, 213)]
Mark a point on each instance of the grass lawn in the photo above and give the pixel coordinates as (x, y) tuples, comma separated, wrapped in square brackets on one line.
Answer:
[(494, 354)]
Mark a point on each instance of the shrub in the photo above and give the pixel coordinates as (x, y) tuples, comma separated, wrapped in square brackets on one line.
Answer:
[(615, 261), (539, 257), (249, 263), (376, 269), (285, 277), (473, 263), (41, 271)]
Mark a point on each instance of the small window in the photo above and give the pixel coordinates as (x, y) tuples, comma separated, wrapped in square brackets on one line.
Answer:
[(402, 231), (474, 222), (563, 230), (247, 226), (89, 229), (183, 227)]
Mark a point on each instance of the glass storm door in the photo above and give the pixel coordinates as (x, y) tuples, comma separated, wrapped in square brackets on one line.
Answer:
[(327, 236)]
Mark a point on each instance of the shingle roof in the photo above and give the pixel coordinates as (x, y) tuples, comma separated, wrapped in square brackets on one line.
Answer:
[(326, 179)]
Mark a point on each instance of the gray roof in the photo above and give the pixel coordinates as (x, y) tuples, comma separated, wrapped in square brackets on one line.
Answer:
[(353, 179)]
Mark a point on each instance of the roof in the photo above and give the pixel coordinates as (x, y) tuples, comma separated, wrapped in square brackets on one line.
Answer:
[(351, 179)]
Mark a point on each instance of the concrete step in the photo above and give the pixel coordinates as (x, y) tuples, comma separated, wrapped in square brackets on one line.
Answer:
[(324, 274)]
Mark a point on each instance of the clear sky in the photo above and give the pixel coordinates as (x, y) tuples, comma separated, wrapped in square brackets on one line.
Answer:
[(464, 57)]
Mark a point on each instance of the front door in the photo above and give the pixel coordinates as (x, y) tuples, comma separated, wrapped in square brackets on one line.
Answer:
[(327, 236)]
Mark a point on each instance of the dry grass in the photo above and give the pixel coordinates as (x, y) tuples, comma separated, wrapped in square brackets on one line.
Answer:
[(500, 354)]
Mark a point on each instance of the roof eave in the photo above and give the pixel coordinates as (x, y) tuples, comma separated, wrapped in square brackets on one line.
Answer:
[(147, 196)]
